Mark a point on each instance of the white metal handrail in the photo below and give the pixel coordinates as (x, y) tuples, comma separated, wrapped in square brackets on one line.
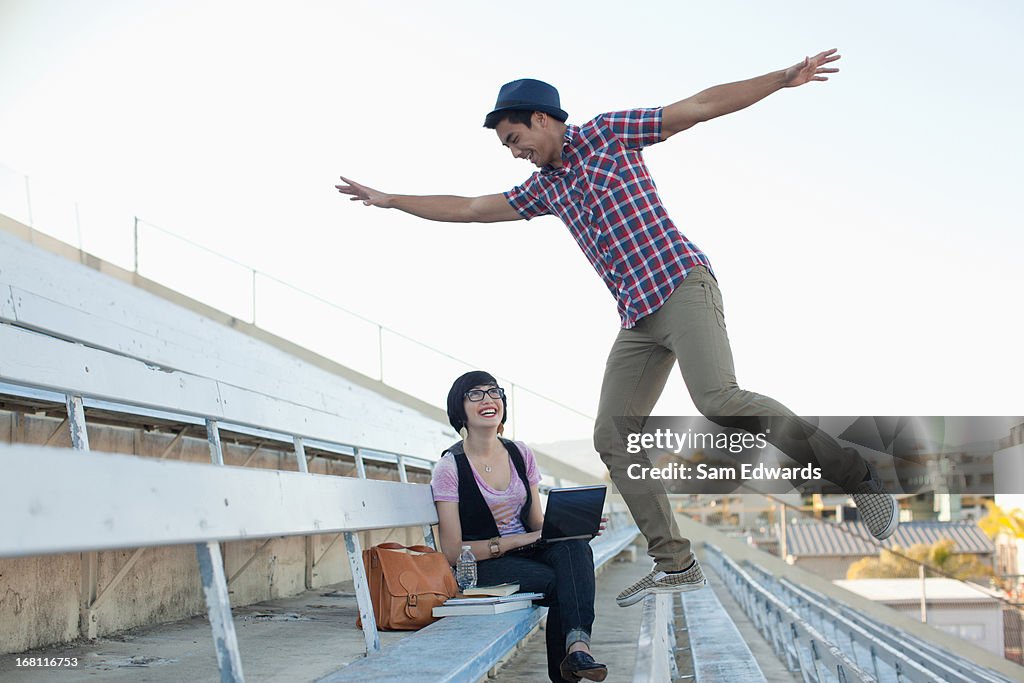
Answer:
[(800, 645), (865, 633), (866, 638), (282, 438), (857, 641)]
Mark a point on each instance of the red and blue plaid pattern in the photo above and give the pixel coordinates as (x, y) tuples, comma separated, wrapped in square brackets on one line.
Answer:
[(605, 195)]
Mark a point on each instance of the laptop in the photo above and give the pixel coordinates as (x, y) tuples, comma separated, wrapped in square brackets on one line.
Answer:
[(571, 513)]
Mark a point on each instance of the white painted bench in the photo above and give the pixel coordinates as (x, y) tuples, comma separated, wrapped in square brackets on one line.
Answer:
[(717, 650), (465, 649), (63, 501), (77, 340), (76, 330), (104, 501), (73, 336)]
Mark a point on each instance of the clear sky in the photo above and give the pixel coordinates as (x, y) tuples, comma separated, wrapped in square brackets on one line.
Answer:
[(866, 231)]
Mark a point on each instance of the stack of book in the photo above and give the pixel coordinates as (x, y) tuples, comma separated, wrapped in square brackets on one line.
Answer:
[(487, 600)]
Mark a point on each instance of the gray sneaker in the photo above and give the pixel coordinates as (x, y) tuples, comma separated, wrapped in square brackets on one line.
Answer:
[(663, 582), (876, 508)]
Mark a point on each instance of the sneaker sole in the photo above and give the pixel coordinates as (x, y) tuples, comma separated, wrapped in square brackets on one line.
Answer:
[(591, 675), (891, 529), (681, 588)]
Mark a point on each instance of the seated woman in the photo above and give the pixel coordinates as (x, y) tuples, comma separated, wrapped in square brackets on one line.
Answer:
[(485, 489)]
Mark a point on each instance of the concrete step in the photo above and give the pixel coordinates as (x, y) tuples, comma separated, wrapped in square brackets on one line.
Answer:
[(615, 630)]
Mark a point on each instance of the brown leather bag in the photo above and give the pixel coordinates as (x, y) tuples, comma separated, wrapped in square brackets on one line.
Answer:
[(406, 584)]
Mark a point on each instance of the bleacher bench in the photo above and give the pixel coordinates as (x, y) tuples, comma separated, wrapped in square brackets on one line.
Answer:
[(103, 501)]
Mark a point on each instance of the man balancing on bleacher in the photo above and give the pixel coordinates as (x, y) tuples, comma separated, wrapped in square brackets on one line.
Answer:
[(593, 177)]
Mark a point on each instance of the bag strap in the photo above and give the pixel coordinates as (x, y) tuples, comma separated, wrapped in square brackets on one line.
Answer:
[(484, 526), (399, 546)]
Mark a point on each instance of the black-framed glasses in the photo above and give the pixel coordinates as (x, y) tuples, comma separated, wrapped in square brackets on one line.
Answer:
[(476, 395)]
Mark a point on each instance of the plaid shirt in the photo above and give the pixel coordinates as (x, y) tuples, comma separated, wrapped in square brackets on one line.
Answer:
[(605, 195)]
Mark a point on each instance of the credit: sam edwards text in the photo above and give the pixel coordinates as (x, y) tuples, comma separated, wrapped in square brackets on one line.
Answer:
[(745, 472)]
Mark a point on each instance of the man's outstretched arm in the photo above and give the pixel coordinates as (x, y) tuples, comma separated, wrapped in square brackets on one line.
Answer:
[(489, 208), (725, 99)]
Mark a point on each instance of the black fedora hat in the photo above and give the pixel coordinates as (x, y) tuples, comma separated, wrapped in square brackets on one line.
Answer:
[(528, 94)]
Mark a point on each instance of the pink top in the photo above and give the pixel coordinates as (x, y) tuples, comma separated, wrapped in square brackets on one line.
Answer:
[(505, 505)]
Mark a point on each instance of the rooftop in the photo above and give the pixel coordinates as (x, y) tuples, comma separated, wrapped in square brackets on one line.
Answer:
[(936, 588), (841, 539)]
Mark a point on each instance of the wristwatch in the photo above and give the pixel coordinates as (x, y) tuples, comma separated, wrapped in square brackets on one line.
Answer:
[(494, 546)]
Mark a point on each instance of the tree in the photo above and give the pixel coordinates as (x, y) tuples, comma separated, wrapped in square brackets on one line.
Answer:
[(1000, 521), (941, 555)]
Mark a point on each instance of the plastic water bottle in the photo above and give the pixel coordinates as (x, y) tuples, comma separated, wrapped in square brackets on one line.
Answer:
[(465, 569)]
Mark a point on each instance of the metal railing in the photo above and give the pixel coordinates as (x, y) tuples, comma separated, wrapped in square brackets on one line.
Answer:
[(825, 640), (304, 317), (656, 641)]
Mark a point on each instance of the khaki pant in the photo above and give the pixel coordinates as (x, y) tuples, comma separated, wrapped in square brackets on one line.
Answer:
[(689, 328)]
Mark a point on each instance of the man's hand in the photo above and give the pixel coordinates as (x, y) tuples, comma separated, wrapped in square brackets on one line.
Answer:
[(488, 208), (725, 99), (810, 69), (361, 193)]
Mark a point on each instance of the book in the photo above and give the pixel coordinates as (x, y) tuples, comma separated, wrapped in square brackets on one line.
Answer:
[(493, 599), (500, 590), (447, 610)]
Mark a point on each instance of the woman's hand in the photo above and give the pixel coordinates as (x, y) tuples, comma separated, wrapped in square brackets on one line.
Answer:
[(604, 523)]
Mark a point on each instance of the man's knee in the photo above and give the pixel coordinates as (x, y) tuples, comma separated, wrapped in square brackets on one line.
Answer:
[(717, 402), (610, 434), (606, 436), (725, 407)]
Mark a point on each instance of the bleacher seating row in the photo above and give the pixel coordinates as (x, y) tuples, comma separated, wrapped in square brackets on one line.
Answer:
[(104, 501), (72, 334)]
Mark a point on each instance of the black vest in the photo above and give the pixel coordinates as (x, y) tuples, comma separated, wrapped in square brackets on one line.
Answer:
[(477, 521)]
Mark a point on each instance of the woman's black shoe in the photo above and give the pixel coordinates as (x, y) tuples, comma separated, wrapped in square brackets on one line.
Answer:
[(577, 665)]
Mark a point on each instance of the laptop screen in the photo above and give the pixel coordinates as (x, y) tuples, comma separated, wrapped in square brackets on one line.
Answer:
[(573, 512)]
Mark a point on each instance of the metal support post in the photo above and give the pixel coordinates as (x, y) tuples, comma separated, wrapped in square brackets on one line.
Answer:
[(218, 607), (300, 454), (310, 561), (924, 598), (300, 458), (428, 537), (76, 418), (213, 437), (355, 562), (673, 643), (360, 465), (87, 620)]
